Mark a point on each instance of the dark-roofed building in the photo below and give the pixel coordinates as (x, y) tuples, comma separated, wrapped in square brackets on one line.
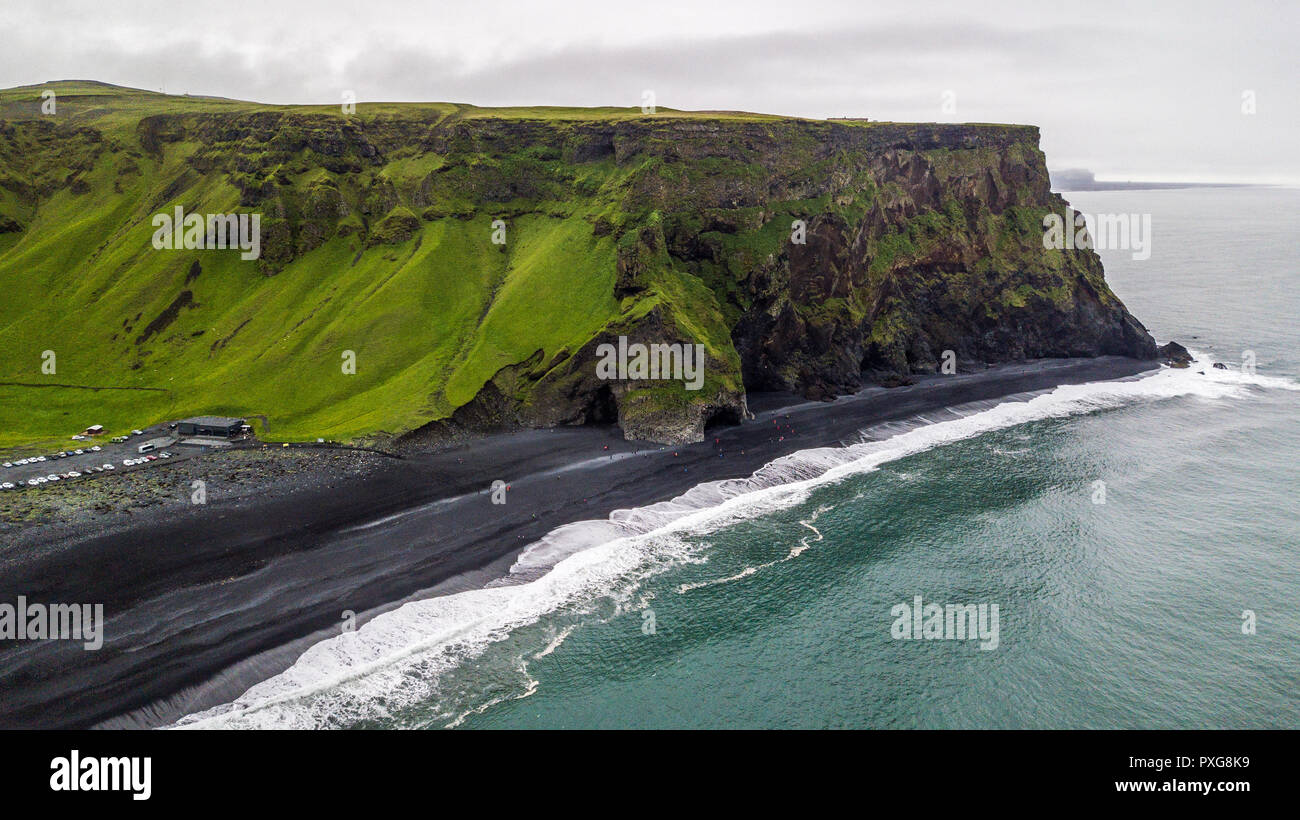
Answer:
[(209, 426)]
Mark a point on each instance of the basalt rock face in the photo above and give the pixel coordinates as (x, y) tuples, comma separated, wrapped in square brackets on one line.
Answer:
[(475, 262), (1174, 355), (927, 239), (846, 255)]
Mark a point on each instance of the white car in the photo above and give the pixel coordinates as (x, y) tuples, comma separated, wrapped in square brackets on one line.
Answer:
[(108, 466), (8, 485), (96, 449), (8, 464), (137, 432), (32, 482)]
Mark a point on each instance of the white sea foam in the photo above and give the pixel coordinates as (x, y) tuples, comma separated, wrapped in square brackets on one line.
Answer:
[(397, 659), (794, 552)]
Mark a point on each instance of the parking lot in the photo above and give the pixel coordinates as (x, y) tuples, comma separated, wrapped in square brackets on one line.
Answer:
[(97, 456)]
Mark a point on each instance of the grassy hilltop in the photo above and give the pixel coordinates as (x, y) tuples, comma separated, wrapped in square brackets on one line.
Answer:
[(376, 239)]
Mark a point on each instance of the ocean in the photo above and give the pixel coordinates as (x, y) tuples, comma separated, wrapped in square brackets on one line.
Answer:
[(1140, 541)]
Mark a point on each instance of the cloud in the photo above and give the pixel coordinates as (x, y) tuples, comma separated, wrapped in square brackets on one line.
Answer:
[(1153, 91)]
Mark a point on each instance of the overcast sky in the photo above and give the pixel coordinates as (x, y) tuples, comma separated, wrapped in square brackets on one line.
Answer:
[(1148, 93)]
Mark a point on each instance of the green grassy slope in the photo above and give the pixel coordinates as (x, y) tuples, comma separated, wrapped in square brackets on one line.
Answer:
[(429, 319)]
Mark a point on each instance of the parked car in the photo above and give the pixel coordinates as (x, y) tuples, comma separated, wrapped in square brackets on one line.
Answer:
[(137, 432)]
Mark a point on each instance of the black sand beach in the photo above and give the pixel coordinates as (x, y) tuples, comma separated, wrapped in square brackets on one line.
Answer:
[(191, 593)]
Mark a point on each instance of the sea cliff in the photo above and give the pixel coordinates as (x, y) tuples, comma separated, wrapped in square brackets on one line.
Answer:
[(472, 262)]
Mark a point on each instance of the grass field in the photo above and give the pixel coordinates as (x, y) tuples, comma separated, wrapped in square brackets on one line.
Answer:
[(428, 319)]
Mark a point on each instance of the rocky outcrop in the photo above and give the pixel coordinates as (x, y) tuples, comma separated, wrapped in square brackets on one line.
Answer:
[(1174, 355)]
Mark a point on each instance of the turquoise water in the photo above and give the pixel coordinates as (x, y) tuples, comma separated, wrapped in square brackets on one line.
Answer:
[(776, 612)]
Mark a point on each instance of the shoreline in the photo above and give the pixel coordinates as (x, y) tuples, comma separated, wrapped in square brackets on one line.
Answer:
[(201, 603)]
